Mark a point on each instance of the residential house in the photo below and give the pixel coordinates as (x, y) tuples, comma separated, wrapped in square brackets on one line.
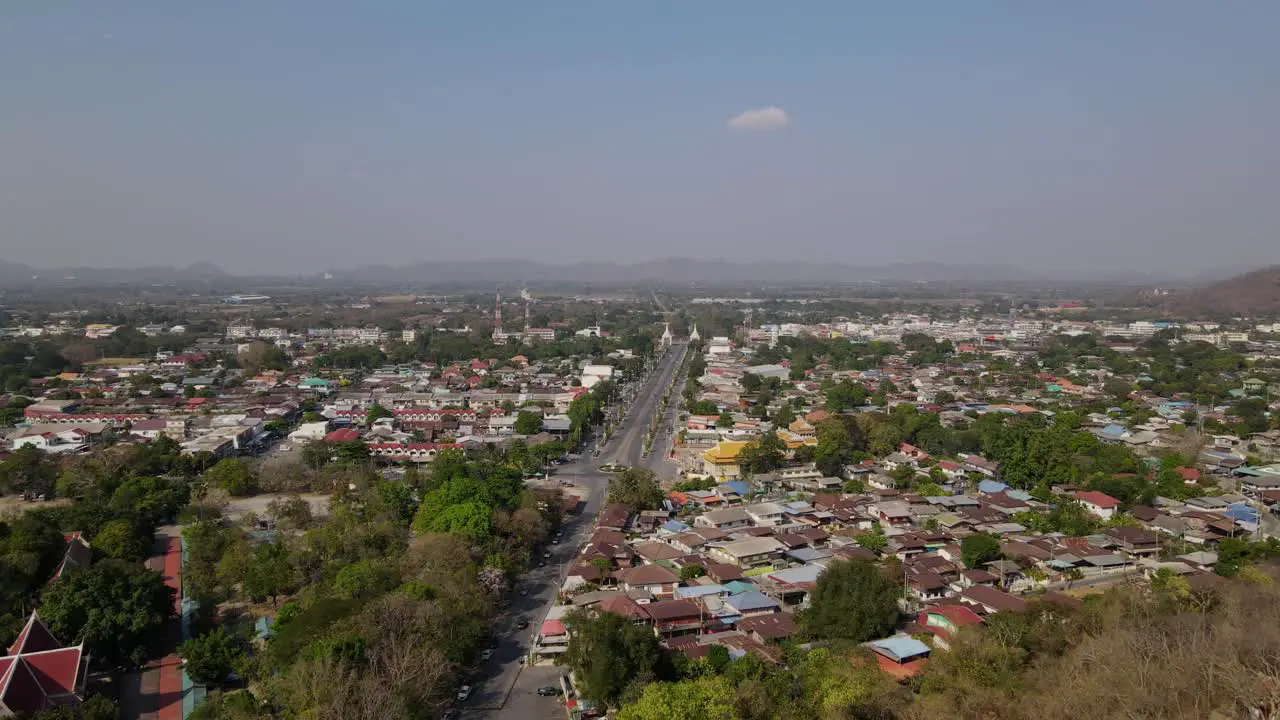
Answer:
[(656, 580), (749, 553), (1098, 503), (726, 519)]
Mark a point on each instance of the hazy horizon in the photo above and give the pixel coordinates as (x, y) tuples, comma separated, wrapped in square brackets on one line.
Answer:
[(290, 137)]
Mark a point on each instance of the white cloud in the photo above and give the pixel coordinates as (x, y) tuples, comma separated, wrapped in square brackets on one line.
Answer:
[(765, 118)]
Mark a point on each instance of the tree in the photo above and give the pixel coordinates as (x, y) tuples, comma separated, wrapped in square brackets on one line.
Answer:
[(269, 573), (528, 423), (845, 395), (120, 540), (608, 653), (365, 579), (979, 548), (376, 412), (874, 540), (233, 476), (832, 451), (117, 608), (470, 520), (636, 488), (702, 407), (704, 698), (765, 455), (351, 451), (210, 658), (854, 600), (690, 572), (725, 420), (28, 470)]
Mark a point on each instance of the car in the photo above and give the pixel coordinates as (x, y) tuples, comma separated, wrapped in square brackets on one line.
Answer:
[(546, 556), (484, 656), (522, 624), (555, 541), (523, 592), (464, 692), (542, 563), (451, 715), (549, 691)]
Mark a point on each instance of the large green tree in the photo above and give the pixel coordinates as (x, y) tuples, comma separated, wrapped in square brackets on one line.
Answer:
[(854, 600), (637, 488), (232, 475), (528, 423), (608, 654), (978, 549), (117, 608), (211, 657)]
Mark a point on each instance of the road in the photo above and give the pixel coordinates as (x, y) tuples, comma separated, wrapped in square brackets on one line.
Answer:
[(502, 687)]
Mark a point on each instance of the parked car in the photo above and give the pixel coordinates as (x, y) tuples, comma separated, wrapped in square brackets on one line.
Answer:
[(522, 624), (451, 715), (549, 691), (464, 692), (484, 656)]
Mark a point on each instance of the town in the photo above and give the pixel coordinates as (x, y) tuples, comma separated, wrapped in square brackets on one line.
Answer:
[(593, 504)]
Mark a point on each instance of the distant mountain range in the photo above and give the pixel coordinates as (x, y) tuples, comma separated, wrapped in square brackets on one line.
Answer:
[(672, 272), (1253, 294)]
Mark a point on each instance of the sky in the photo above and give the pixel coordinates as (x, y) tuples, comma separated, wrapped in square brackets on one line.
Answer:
[(293, 137)]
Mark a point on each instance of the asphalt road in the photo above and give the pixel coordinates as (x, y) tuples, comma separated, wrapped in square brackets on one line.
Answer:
[(502, 687)]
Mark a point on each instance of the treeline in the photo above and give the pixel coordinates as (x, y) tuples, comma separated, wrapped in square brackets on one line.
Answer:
[(380, 604)]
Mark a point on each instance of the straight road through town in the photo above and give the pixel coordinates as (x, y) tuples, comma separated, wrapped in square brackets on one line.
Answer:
[(502, 687)]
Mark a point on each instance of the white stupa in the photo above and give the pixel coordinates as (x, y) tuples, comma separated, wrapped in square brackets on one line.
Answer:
[(694, 336), (666, 335)]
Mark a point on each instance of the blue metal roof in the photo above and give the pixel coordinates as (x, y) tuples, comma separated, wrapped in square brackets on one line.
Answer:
[(674, 526), (990, 487), (900, 648), (754, 600), (701, 590), (737, 486)]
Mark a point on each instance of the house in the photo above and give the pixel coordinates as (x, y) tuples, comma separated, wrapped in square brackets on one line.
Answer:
[(765, 514), (1097, 503), (672, 618), (752, 552), (945, 621), (726, 519), (752, 603), (990, 600), (38, 673), (654, 579), (901, 656), (1135, 542), (771, 627)]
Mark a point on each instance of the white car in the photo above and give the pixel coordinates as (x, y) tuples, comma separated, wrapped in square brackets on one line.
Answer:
[(484, 656), (464, 692)]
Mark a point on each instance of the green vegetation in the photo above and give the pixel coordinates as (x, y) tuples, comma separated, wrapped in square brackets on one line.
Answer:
[(636, 488), (855, 600)]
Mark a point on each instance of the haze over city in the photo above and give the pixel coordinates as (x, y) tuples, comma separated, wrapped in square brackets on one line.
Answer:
[(290, 137)]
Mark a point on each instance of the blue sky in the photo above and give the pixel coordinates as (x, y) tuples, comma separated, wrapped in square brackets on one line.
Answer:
[(298, 136)]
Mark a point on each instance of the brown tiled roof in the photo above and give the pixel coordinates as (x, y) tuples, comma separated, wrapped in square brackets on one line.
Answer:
[(647, 575), (774, 626), (994, 598), (667, 610)]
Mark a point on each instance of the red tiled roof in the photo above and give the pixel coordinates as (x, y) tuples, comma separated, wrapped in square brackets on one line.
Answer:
[(1100, 499), (37, 673), (343, 435)]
